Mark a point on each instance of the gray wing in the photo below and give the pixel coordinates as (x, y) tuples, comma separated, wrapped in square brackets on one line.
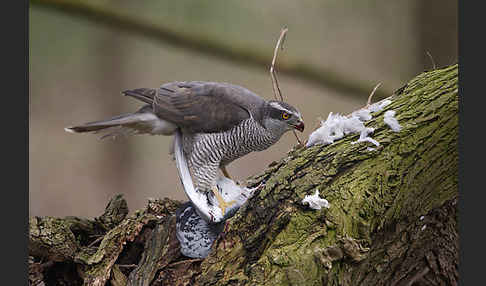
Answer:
[(202, 106)]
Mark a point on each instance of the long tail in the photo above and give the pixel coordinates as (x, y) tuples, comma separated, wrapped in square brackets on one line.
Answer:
[(144, 121)]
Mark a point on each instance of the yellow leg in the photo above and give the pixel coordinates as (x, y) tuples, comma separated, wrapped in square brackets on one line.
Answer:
[(225, 172), (221, 202)]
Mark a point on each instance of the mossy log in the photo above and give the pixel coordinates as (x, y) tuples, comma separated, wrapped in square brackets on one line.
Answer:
[(392, 218)]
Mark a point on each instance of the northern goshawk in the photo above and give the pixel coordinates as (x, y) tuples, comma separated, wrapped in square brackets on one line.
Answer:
[(217, 124)]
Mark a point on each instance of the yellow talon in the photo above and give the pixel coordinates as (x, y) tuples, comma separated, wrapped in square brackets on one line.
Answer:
[(221, 202)]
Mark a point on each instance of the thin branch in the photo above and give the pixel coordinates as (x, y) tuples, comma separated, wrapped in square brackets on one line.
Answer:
[(275, 86), (201, 43), (371, 94), (127, 265), (185, 261), (431, 59), (100, 238)]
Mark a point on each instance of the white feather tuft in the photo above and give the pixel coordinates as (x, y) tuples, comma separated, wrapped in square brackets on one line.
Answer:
[(379, 105), (390, 120), (363, 114), (337, 126), (315, 202)]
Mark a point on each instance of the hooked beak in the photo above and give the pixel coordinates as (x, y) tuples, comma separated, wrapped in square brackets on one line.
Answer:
[(300, 126)]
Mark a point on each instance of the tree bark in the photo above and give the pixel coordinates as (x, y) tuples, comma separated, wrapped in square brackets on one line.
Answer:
[(392, 218)]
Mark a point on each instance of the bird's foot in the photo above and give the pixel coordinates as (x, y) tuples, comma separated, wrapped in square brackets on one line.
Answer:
[(221, 202)]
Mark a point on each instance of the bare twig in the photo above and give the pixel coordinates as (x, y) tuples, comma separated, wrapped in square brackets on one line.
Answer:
[(127, 265), (279, 44), (431, 59), (371, 94), (185, 261), (100, 238), (273, 74)]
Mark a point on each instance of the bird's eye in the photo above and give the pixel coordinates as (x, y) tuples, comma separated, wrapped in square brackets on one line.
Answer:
[(285, 115)]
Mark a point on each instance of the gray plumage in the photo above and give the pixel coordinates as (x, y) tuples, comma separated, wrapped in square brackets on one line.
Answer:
[(206, 152), (195, 235), (219, 122), (208, 208), (143, 121), (202, 107)]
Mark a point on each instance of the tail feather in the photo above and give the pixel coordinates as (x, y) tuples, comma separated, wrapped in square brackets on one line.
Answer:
[(103, 124), (144, 121)]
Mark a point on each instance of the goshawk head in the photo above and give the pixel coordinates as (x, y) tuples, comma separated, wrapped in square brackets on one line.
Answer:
[(282, 116)]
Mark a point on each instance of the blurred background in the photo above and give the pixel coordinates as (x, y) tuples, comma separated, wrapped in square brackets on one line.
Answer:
[(82, 54)]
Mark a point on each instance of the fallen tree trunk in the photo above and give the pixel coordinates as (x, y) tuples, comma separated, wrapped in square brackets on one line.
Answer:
[(391, 221)]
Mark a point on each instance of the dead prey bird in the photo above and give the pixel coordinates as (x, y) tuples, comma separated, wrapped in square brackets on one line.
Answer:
[(219, 123)]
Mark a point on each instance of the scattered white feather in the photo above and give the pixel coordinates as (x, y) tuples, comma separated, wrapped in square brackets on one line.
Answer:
[(424, 227), (375, 107), (334, 128), (367, 139), (315, 202), (390, 120), (364, 137), (422, 217), (370, 149), (337, 126), (363, 114)]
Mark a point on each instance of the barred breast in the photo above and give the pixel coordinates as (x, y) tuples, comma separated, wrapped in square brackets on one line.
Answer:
[(207, 151)]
